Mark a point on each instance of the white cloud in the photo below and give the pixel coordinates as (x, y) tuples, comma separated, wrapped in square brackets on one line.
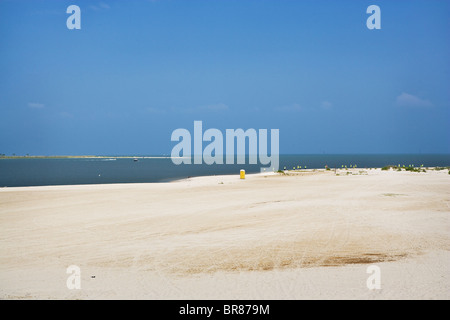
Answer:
[(409, 100), (35, 105)]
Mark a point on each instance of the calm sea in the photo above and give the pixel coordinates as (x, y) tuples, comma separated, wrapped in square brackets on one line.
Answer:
[(41, 172)]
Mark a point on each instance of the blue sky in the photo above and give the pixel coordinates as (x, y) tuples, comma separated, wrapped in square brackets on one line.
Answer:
[(137, 70)]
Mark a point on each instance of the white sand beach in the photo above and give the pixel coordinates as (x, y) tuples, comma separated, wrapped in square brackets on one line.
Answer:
[(307, 235)]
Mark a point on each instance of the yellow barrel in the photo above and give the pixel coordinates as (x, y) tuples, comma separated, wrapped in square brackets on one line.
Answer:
[(242, 174)]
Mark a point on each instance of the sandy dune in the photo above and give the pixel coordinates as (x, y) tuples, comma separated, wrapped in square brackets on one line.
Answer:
[(308, 235)]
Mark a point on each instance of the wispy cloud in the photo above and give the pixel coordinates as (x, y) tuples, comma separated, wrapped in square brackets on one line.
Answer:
[(35, 105), (100, 6), (409, 100), (254, 109), (155, 110), (66, 115), (289, 108), (211, 108), (327, 105)]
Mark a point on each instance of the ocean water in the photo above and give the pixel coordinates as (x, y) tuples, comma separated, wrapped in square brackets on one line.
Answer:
[(41, 172)]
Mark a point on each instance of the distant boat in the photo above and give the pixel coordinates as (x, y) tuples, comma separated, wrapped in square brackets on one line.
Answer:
[(135, 159)]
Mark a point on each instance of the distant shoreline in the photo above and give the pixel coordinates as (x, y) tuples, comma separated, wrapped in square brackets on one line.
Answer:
[(34, 170), (168, 156)]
